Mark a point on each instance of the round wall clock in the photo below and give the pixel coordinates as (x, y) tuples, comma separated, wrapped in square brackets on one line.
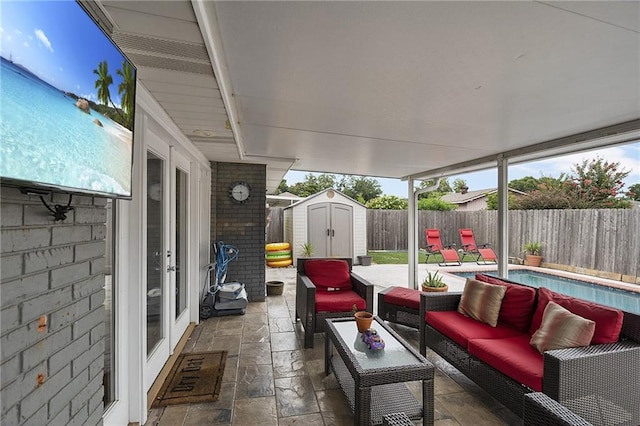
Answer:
[(239, 191)]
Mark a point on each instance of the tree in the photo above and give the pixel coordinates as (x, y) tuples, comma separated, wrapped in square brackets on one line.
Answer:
[(597, 183), (360, 188), (458, 184), (282, 187), (634, 192), (525, 184), (435, 203), (313, 184), (443, 186), (388, 202)]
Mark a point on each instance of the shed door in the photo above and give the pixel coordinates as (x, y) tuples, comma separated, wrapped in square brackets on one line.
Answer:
[(330, 229)]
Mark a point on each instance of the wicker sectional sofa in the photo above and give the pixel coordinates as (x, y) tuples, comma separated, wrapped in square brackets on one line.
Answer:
[(599, 382)]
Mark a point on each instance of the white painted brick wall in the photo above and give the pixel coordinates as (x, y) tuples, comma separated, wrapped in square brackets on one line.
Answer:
[(51, 271)]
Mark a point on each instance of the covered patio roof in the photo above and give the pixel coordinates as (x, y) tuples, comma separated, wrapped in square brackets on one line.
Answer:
[(388, 89)]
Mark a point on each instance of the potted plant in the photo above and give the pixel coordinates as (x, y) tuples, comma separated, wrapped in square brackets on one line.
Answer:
[(532, 251), (363, 319), (307, 250), (433, 282)]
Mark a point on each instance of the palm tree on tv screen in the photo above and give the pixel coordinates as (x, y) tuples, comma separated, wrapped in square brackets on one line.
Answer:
[(126, 88), (103, 82)]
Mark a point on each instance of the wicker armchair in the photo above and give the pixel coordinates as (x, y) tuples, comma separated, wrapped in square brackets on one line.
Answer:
[(306, 310)]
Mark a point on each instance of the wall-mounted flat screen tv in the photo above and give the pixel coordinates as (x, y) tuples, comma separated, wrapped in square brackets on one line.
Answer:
[(67, 101)]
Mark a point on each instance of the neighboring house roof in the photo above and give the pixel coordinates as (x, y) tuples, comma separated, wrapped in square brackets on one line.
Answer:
[(458, 198)]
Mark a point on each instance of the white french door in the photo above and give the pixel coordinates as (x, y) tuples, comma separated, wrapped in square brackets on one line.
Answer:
[(167, 243), (179, 260), (157, 212)]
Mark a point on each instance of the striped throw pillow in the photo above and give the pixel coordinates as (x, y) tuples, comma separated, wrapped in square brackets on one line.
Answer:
[(481, 301), (562, 329)]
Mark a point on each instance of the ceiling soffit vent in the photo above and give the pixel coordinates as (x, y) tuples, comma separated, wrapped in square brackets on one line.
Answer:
[(164, 54)]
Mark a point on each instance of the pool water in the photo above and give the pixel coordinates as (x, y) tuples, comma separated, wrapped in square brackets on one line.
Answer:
[(625, 300)]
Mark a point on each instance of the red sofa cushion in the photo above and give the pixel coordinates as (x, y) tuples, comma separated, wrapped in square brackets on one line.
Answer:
[(402, 296), (512, 356), (328, 274), (339, 301), (461, 329), (608, 320), (517, 305)]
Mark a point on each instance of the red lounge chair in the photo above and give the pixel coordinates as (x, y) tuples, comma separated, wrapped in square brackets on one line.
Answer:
[(482, 253), (434, 246)]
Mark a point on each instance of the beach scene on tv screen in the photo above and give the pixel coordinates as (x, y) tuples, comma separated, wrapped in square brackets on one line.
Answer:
[(68, 98)]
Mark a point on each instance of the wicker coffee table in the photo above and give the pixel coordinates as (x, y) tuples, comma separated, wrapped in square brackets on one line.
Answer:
[(373, 381)]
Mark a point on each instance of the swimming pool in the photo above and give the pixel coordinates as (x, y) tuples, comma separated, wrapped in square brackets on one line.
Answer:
[(626, 300)]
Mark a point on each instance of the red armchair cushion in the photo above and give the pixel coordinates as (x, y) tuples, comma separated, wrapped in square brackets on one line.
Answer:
[(339, 301), (517, 305), (406, 297), (461, 329), (328, 274), (608, 320), (513, 357)]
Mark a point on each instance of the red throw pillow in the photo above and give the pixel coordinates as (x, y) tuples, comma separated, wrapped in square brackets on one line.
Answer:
[(608, 320), (328, 274), (518, 303)]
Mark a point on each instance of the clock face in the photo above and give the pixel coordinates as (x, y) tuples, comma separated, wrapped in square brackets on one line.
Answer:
[(239, 191)]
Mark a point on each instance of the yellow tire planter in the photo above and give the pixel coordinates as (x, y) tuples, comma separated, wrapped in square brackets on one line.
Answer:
[(277, 246), (279, 263)]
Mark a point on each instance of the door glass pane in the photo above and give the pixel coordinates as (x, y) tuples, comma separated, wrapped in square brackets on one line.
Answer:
[(155, 250), (181, 239), (109, 373)]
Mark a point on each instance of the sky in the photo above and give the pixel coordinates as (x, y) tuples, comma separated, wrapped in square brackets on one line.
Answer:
[(60, 43), (627, 155)]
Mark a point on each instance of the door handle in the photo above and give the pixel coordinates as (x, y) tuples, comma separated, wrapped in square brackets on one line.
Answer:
[(171, 268), (333, 232), (328, 232)]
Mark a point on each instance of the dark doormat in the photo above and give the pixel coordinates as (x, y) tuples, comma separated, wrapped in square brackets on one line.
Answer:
[(195, 377)]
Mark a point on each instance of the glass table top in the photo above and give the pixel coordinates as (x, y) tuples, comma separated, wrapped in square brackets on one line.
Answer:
[(394, 353)]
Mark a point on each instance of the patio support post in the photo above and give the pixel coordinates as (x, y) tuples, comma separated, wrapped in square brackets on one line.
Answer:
[(503, 216), (412, 228)]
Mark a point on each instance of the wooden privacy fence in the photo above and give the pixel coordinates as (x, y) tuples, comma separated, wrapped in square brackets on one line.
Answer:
[(603, 240), (274, 231)]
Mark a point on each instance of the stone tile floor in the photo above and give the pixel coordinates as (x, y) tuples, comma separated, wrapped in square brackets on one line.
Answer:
[(270, 379)]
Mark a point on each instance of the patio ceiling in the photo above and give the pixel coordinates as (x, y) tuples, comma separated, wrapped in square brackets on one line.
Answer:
[(386, 89)]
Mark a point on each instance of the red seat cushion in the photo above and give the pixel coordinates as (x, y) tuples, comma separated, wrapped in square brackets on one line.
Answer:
[(461, 329), (339, 301), (330, 274), (488, 254), (513, 357), (517, 305), (450, 255), (608, 320), (401, 296)]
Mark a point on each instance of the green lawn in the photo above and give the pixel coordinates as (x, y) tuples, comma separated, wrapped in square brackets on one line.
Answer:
[(402, 257)]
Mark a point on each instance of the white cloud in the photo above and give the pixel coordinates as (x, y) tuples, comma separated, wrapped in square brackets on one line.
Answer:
[(40, 35)]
